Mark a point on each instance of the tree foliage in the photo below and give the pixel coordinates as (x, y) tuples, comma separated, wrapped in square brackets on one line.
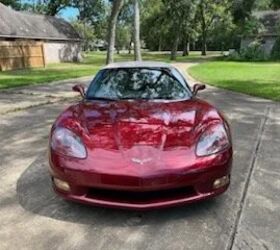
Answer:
[(53, 7), (180, 15), (275, 4), (15, 4), (242, 9), (86, 31), (123, 38), (154, 29), (210, 13), (165, 25)]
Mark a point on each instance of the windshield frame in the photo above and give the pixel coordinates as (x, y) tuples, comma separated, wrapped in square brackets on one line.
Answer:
[(182, 81)]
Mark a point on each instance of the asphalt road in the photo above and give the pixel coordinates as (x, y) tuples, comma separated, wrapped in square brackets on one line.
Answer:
[(246, 217)]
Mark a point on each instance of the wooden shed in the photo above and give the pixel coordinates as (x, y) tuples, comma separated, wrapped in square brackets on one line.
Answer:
[(29, 40)]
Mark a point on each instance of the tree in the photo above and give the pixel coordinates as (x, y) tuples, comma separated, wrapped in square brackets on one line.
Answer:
[(130, 18), (242, 10), (209, 12), (275, 4), (180, 16), (153, 25), (86, 31), (122, 38), (15, 4), (223, 35), (53, 7), (94, 14), (174, 15), (262, 4), (116, 8), (90, 10), (189, 29), (126, 20), (190, 34), (137, 40), (39, 7)]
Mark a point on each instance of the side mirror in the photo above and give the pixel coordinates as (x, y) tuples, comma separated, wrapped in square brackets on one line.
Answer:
[(81, 89), (197, 88)]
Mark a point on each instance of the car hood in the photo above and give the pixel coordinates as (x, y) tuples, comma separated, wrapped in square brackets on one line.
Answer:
[(139, 132), (125, 124)]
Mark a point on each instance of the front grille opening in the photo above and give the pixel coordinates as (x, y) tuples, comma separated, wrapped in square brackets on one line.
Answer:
[(141, 197)]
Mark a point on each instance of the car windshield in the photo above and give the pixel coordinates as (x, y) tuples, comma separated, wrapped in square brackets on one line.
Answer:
[(139, 83)]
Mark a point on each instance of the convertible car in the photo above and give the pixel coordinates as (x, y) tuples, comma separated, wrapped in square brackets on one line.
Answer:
[(140, 139)]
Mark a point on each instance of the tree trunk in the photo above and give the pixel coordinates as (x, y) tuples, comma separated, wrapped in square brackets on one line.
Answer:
[(186, 50), (204, 38), (137, 40), (203, 29), (160, 44), (194, 46), (130, 46), (204, 44), (175, 47), (116, 8)]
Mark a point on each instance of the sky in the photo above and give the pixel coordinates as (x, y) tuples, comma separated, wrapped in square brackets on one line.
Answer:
[(69, 13)]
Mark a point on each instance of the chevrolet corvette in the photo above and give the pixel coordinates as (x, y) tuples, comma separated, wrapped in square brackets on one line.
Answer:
[(140, 139)]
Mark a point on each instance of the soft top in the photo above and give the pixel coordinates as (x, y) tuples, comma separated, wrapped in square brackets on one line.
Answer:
[(138, 64)]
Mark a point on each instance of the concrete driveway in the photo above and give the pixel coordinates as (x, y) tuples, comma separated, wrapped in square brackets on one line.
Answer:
[(246, 217)]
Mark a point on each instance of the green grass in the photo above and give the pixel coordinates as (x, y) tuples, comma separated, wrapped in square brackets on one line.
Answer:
[(92, 63), (53, 72), (256, 79)]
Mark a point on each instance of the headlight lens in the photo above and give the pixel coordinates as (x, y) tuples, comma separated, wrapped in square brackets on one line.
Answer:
[(213, 140), (65, 142)]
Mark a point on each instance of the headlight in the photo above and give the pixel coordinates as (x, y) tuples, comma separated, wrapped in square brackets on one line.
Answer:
[(65, 142), (213, 140)]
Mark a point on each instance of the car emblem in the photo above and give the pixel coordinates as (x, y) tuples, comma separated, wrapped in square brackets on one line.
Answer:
[(141, 162)]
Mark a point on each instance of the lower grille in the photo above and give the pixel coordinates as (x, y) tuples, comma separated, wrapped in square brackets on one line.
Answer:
[(140, 197)]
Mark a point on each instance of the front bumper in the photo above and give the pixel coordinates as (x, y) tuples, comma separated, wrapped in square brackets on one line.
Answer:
[(142, 206), (172, 188)]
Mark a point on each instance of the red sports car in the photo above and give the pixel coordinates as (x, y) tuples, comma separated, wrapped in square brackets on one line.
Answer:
[(140, 139)]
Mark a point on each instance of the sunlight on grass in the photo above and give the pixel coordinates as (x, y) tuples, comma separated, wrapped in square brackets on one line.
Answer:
[(257, 79)]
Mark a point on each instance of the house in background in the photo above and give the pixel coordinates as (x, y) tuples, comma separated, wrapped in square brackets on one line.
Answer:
[(29, 40), (270, 21)]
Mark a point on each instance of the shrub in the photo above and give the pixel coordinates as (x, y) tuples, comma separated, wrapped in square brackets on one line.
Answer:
[(275, 53), (254, 52), (235, 56)]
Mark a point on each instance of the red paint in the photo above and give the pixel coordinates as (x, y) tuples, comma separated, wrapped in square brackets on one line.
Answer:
[(162, 135)]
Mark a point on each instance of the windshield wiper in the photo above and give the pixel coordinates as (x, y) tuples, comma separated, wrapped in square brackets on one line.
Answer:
[(101, 99)]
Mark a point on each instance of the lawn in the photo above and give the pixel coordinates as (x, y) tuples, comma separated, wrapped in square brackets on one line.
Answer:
[(256, 79), (91, 64)]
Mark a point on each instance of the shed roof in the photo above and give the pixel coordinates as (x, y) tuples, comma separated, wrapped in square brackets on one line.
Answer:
[(15, 24)]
